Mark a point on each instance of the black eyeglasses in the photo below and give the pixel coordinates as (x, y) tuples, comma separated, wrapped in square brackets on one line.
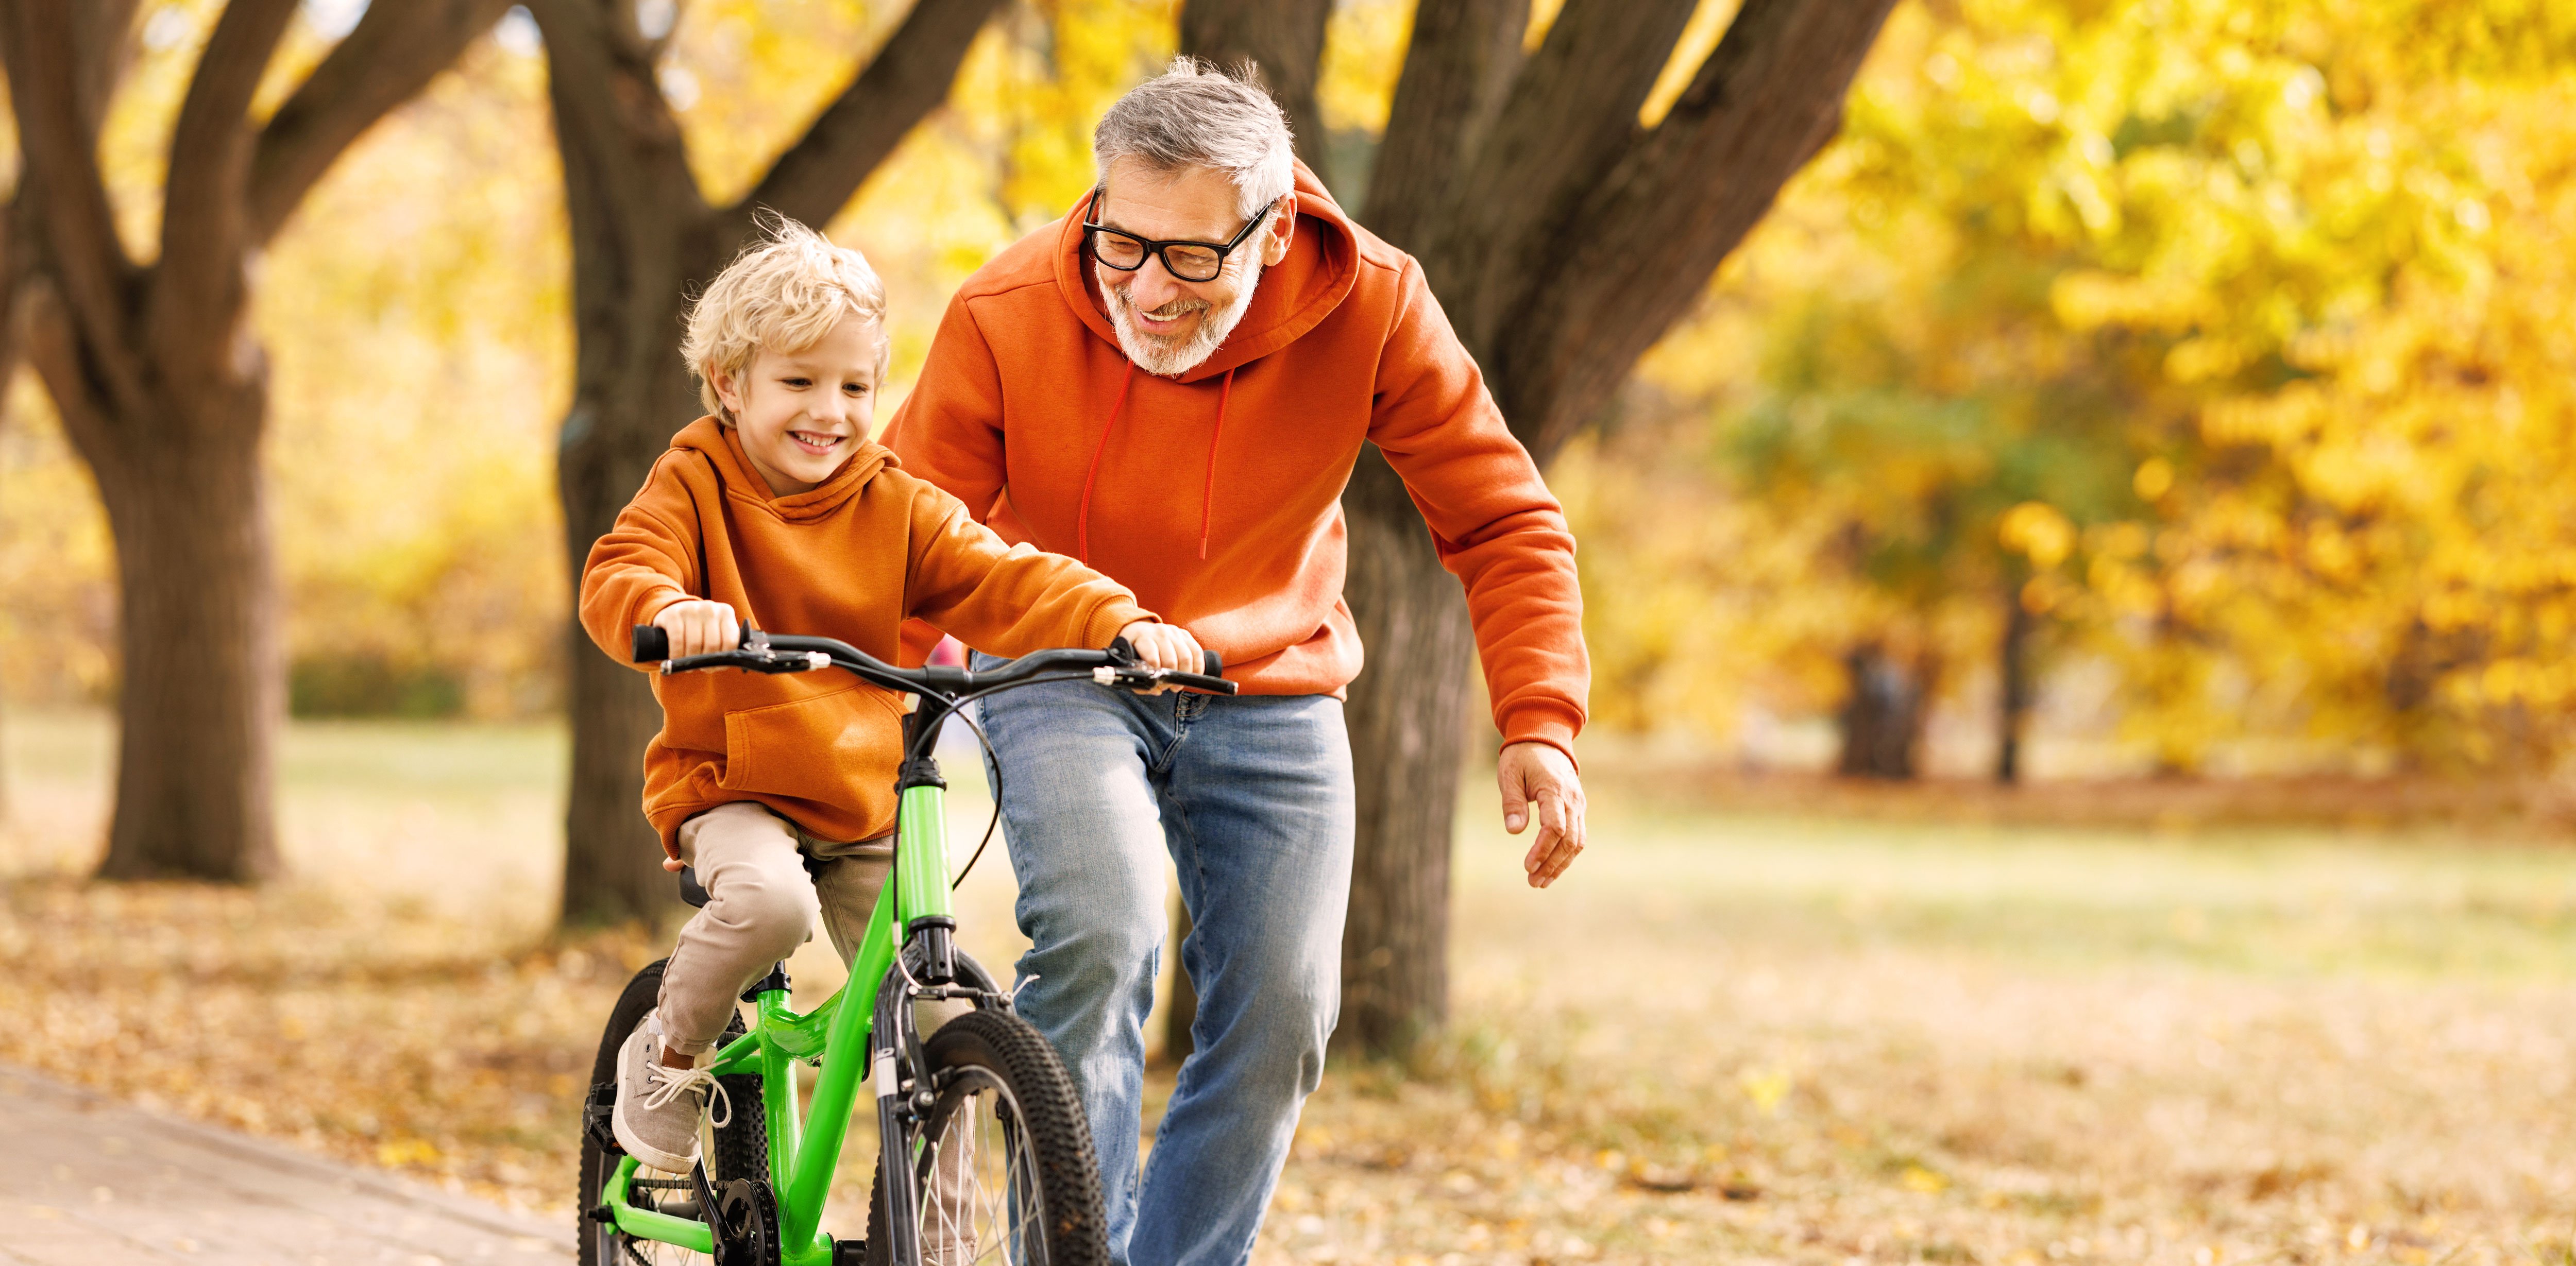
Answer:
[(1189, 261)]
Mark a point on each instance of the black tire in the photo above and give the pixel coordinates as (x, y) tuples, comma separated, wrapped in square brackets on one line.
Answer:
[(1000, 1082), (741, 1144)]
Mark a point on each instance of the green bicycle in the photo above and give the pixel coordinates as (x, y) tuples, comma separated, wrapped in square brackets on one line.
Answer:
[(995, 1157)]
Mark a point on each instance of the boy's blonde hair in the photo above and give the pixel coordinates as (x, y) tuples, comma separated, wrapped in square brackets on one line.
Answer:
[(785, 292)]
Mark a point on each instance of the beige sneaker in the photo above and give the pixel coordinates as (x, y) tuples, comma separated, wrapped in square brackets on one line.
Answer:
[(658, 1106)]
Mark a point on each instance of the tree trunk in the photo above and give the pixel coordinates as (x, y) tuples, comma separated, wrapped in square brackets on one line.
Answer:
[(629, 402), (1406, 714), (2015, 689), (202, 691), (1285, 40), (612, 868), (1882, 720)]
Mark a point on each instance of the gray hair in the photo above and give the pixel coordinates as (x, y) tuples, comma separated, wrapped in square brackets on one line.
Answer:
[(1196, 115)]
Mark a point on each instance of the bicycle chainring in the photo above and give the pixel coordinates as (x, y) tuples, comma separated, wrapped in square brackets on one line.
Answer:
[(745, 1223)]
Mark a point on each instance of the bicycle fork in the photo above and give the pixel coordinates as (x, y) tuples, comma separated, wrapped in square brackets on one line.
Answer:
[(898, 1067)]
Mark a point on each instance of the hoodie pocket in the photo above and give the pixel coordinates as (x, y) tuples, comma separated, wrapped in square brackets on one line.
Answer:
[(828, 748)]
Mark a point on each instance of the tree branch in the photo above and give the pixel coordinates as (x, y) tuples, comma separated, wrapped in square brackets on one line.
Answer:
[(58, 354), (51, 62), (204, 213), (599, 76), (1460, 61), (1643, 242), (906, 80), (1285, 38), (394, 52), (633, 203), (100, 51), (1571, 113)]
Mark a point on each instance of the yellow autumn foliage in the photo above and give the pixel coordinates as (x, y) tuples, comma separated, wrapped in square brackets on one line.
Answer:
[(2233, 339)]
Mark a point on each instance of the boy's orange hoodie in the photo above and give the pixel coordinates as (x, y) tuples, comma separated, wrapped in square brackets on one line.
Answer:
[(1216, 495), (853, 558)]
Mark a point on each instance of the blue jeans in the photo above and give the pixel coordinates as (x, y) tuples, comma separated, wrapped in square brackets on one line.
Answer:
[(1252, 799)]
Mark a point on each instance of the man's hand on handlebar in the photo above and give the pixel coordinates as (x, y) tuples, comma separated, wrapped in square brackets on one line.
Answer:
[(1165, 646), (698, 627)]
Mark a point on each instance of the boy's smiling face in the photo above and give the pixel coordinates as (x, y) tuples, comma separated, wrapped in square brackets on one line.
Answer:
[(803, 413)]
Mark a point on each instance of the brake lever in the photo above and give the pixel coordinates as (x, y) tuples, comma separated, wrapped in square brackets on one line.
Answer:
[(1127, 677)]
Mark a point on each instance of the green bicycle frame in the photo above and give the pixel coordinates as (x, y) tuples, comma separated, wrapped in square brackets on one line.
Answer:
[(803, 1155)]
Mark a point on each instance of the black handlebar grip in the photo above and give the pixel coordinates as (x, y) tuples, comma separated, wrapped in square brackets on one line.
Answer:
[(1215, 664), (652, 643)]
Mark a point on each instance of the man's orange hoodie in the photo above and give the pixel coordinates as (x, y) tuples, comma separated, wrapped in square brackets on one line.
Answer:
[(852, 558), (1216, 495)]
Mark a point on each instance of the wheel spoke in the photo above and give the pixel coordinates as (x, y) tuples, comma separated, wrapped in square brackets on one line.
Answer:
[(979, 1185)]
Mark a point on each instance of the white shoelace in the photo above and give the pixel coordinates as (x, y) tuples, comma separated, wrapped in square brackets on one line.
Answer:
[(664, 1083)]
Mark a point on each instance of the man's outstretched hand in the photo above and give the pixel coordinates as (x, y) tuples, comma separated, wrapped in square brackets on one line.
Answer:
[(1535, 775)]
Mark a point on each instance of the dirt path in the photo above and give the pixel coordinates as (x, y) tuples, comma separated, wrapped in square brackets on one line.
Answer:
[(90, 1181)]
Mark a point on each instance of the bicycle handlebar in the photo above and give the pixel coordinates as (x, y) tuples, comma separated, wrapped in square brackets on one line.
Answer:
[(765, 653)]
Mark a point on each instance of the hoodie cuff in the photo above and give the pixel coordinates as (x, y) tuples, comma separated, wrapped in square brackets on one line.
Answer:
[(1111, 617), (1542, 721), (654, 601)]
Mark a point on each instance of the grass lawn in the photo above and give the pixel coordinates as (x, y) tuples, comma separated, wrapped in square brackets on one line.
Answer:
[(1725, 1036)]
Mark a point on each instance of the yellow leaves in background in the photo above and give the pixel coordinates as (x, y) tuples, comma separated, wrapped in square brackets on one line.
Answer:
[(1363, 56), (57, 564), (2037, 531), (746, 77), (1766, 1086), (2244, 327)]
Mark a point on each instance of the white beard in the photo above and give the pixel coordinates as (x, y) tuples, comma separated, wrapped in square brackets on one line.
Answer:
[(1170, 357)]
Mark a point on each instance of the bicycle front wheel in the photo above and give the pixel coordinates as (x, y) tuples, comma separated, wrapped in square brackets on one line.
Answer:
[(1003, 1162)]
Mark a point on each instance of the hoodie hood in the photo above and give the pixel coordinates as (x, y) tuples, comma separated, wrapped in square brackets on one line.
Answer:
[(1292, 297), (722, 447)]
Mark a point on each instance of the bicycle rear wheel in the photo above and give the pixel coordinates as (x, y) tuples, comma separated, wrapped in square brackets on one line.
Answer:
[(740, 1146), (1003, 1160)]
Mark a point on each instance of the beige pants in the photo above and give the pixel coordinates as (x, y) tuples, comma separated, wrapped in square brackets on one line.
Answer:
[(760, 906)]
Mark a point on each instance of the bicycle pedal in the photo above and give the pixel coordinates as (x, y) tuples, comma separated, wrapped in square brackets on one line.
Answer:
[(597, 1109), (852, 1252)]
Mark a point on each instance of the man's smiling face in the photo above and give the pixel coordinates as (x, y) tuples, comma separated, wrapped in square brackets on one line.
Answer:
[(1165, 324)]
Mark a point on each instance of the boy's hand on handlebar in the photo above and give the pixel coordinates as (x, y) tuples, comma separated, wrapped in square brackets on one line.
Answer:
[(1535, 775), (699, 627), (1165, 646)]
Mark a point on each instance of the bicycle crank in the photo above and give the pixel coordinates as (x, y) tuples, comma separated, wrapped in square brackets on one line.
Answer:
[(745, 1225)]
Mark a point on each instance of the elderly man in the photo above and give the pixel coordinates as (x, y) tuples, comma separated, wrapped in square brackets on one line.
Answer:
[(1171, 383)]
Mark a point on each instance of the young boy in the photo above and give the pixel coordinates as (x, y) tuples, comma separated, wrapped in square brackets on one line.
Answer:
[(777, 509)]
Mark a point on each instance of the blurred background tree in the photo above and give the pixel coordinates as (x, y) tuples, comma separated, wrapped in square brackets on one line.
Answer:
[(158, 382), (2199, 343)]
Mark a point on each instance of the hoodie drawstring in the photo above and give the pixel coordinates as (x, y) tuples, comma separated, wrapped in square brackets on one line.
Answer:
[(1207, 494), (1082, 517), (1207, 498)]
